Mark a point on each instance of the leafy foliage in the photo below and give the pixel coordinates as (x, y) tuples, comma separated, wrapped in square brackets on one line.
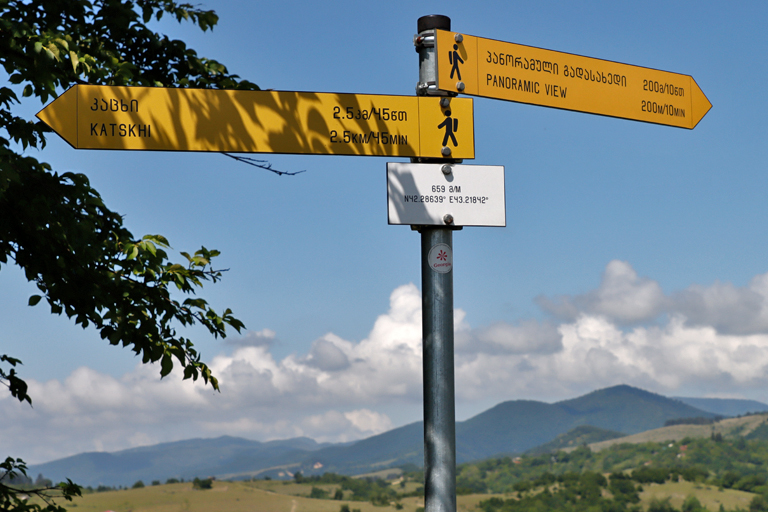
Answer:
[(318, 493), (9, 379), (56, 227), (568, 492), (573, 484), (375, 490), (728, 463), (84, 261), (13, 500), (202, 483)]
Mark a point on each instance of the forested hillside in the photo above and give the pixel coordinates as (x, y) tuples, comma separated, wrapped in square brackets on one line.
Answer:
[(612, 480)]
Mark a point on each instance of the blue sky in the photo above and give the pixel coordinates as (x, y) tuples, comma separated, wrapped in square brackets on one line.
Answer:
[(633, 253)]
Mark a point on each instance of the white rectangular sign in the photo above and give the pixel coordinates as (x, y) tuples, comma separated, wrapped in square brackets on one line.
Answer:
[(446, 194)]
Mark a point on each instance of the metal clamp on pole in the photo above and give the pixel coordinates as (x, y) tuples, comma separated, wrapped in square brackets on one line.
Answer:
[(425, 42)]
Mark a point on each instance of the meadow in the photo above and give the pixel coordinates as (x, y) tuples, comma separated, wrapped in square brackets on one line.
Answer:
[(277, 496)]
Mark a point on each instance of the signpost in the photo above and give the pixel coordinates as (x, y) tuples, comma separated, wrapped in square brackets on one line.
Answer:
[(152, 118), (513, 72), (433, 194), (446, 195)]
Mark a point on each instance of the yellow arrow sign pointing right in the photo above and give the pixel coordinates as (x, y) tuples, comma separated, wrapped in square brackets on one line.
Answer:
[(513, 72)]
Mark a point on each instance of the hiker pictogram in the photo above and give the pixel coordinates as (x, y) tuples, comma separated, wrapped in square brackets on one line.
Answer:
[(451, 125), (454, 59)]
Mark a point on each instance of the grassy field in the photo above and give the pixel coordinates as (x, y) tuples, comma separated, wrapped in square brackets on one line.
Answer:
[(261, 496), (729, 427), (709, 496), (278, 496)]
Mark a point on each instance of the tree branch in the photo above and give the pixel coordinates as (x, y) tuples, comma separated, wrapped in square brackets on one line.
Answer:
[(261, 164)]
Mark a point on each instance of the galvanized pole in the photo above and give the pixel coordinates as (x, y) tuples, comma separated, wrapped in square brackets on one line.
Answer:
[(439, 409), (437, 319)]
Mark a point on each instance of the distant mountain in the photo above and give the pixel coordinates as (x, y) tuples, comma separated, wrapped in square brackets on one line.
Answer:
[(725, 406), (508, 428), (182, 459), (518, 426), (403, 445), (627, 409)]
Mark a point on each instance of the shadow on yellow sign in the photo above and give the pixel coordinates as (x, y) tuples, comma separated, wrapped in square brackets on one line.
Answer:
[(146, 118)]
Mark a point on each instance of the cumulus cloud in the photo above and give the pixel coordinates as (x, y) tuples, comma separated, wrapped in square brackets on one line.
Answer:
[(348, 426), (622, 296), (674, 359), (326, 356), (262, 338), (705, 341), (727, 308), (626, 299), (528, 337)]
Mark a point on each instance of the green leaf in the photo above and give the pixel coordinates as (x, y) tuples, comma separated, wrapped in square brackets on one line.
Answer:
[(74, 59), (146, 14), (166, 365), (158, 239), (34, 299)]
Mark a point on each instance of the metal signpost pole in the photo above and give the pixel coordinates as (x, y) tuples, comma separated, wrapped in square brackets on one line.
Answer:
[(439, 410), (437, 320)]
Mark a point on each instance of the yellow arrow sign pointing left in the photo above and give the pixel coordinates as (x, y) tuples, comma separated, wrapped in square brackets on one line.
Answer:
[(151, 118)]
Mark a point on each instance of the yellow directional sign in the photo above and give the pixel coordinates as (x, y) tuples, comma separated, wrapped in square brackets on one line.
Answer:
[(151, 118), (513, 72)]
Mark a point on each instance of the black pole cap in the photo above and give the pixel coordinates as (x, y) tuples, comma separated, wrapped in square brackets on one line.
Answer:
[(433, 21)]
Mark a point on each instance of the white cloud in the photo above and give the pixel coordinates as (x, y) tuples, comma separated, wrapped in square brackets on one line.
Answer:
[(326, 356), (529, 337), (625, 298), (264, 337), (622, 296), (366, 420), (340, 388), (341, 427), (726, 307)]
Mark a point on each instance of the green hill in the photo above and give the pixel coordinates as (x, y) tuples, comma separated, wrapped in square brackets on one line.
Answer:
[(718, 461), (627, 409), (579, 436), (750, 427)]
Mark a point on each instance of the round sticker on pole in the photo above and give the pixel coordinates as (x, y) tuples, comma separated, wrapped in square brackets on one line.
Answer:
[(440, 258)]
